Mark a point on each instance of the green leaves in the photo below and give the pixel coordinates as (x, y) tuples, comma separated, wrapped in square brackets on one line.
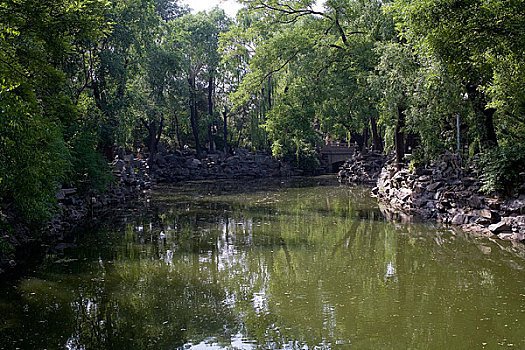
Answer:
[(481, 43), (33, 157), (39, 40), (502, 169)]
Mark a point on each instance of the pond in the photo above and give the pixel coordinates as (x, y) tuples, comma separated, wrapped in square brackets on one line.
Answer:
[(268, 264)]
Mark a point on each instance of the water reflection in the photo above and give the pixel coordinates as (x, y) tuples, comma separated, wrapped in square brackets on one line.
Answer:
[(275, 267)]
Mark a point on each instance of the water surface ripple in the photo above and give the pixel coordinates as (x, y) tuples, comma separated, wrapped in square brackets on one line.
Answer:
[(295, 264)]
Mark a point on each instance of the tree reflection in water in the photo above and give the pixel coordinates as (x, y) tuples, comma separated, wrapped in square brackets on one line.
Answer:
[(272, 267)]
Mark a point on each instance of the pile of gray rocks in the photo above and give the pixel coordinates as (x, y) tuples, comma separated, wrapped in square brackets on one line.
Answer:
[(447, 193), (131, 179), (178, 166), (363, 168)]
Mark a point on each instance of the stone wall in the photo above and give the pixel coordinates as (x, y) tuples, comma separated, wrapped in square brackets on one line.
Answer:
[(131, 180), (450, 194), (180, 166)]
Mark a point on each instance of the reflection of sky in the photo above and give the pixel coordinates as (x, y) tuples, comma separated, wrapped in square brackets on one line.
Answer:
[(390, 271), (237, 342), (323, 289), (260, 303)]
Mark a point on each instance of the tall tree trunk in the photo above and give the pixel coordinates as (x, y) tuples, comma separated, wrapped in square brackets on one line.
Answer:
[(154, 135), (159, 133), (225, 131), (194, 121), (376, 139), (364, 149), (269, 93), (177, 131), (210, 95), (210, 113), (211, 141), (240, 129), (400, 137), (489, 126)]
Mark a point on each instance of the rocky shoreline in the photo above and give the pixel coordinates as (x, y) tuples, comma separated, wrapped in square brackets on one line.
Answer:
[(446, 192), (131, 180), (133, 177), (179, 166)]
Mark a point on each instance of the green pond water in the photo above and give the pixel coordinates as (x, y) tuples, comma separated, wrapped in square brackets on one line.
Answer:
[(265, 264)]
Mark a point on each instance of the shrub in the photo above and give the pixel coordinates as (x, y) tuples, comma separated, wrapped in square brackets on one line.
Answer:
[(89, 170), (32, 157), (501, 169)]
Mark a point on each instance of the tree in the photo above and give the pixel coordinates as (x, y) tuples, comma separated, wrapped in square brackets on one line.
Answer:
[(37, 41), (197, 39), (329, 52), (476, 41)]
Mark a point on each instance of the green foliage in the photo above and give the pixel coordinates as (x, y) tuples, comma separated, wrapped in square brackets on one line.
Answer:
[(89, 170), (33, 157), (78, 76), (306, 156), (501, 169), (481, 44)]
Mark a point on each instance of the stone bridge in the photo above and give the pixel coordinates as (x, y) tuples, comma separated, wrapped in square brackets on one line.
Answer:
[(334, 155)]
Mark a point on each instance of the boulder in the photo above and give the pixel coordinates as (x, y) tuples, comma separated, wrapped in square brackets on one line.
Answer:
[(476, 202)]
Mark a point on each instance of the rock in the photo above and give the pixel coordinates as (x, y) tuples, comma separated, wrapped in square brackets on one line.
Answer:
[(514, 206), (69, 191), (484, 213), (119, 165), (499, 227), (519, 236), (476, 202), (507, 236), (404, 194), (487, 216), (424, 172), (434, 186), (460, 219), (362, 168), (493, 203), (424, 178), (59, 195), (448, 193)]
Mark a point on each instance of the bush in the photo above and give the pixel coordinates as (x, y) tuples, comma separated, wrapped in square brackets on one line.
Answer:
[(32, 158), (501, 169), (89, 168), (306, 157)]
